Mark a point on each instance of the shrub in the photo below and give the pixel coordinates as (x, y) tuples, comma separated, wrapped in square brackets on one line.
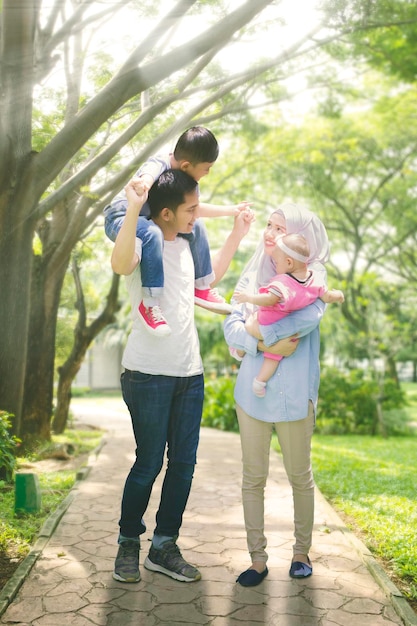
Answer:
[(348, 404), (219, 405), (8, 445)]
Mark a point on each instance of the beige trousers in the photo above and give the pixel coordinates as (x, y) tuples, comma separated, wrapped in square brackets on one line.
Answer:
[(295, 441)]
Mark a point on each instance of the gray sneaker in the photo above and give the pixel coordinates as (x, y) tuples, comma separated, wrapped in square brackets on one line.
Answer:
[(168, 560), (126, 567)]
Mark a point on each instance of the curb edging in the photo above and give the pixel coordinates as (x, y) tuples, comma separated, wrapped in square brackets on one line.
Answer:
[(10, 589), (398, 601)]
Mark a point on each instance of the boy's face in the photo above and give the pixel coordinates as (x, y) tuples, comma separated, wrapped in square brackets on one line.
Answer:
[(197, 170)]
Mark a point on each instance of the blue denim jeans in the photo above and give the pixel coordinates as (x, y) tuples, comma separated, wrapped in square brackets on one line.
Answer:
[(165, 412), (151, 265)]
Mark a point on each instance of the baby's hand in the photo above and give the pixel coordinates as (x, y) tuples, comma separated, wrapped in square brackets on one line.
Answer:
[(240, 296), (339, 296)]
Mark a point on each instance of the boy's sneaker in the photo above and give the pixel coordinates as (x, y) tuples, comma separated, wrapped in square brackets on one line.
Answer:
[(153, 320), (168, 560), (126, 567), (211, 300)]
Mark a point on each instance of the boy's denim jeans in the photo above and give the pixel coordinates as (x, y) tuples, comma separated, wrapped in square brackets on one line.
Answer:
[(151, 265), (165, 410)]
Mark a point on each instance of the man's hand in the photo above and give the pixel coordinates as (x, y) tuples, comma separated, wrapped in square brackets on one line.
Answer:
[(136, 193), (242, 222)]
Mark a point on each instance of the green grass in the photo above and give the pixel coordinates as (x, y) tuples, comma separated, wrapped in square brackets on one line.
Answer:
[(18, 532), (371, 482)]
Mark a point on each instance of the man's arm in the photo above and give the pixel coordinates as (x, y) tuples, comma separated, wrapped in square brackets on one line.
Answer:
[(124, 258), (223, 257)]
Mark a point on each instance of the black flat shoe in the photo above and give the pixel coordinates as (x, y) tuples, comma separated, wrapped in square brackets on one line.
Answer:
[(251, 578), (301, 570)]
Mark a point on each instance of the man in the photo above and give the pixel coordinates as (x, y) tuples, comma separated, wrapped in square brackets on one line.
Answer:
[(162, 384)]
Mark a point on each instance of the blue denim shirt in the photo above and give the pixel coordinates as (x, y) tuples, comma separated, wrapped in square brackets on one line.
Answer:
[(297, 378)]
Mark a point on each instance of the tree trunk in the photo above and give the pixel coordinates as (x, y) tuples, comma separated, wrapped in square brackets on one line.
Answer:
[(39, 381), (67, 373), (15, 271), (83, 336)]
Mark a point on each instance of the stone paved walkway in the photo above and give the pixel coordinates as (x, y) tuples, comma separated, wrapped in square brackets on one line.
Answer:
[(71, 584)]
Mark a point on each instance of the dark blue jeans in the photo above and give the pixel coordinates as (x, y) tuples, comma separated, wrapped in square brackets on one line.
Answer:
[(165, 411)]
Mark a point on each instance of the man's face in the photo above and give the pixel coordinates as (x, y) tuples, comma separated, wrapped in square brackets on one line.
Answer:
[(186, 214), (197, 171)]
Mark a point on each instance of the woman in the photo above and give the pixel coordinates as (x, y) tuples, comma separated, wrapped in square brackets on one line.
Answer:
[(290, 404)]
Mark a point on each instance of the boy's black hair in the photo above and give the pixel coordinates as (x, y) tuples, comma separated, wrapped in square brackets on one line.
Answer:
[(168, 191), (197, 145)]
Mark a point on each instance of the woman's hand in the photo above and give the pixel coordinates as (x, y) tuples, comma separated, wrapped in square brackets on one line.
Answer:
[(284, 347)]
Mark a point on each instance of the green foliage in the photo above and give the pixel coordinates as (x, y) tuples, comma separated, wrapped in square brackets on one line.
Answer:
[(372, 481), (348, 404), (17, 533), (392, 47), (219, 406), (8, 446)]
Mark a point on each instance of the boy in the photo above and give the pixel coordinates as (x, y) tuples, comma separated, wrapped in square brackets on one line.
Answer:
[(195, 152)]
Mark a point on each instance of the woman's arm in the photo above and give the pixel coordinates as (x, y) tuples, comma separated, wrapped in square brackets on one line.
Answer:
[(235, 333), (298, 323), (236, 336)]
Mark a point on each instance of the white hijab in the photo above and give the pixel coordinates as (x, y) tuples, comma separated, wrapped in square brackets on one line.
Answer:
[(299, 220)]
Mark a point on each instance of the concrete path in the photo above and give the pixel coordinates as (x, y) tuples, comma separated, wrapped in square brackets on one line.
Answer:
[(71, 582)]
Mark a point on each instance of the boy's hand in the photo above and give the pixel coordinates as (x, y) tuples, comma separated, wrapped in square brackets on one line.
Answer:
[(147, 180), (242, 206)]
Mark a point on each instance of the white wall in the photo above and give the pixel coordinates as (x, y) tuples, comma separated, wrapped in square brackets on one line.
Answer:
[(101, 368)]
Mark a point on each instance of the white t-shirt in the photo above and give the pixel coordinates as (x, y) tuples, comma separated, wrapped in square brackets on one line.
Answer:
[(179, 353)]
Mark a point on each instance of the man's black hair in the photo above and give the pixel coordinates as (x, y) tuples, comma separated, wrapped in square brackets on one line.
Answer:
[(197, 145), (168, 191)]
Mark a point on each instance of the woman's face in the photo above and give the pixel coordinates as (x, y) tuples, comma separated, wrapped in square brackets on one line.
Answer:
[(275, 228)]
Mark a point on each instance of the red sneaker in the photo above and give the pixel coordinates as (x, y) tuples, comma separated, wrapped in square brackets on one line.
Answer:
[(153, 320), (211, 300)]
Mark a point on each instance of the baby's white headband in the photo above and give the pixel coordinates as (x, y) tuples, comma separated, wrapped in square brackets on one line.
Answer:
[(292, 253)]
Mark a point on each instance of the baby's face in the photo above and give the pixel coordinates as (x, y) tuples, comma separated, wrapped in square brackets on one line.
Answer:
[(281, 260)]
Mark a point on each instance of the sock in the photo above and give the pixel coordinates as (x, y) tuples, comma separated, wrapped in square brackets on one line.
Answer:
[(159, 540)]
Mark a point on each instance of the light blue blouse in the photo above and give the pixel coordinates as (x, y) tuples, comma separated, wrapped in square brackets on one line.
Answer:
[(297, 378)]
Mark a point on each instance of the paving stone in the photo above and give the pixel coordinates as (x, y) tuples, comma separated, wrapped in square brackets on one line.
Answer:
[(71, 583)]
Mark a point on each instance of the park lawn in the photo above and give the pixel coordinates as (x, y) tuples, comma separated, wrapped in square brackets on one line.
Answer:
[(371, 481), (19, 532)]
